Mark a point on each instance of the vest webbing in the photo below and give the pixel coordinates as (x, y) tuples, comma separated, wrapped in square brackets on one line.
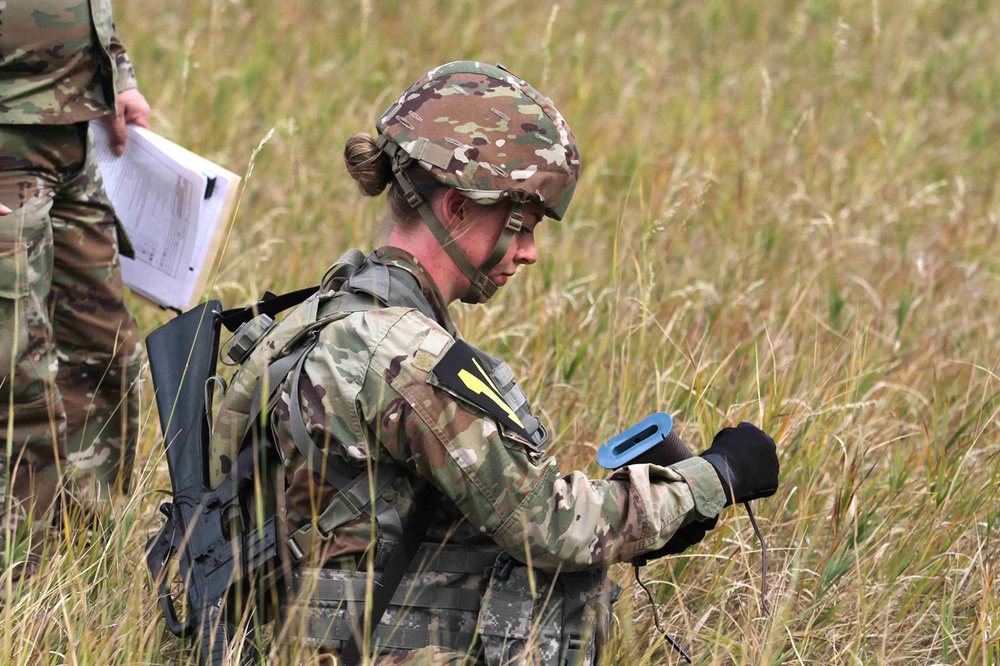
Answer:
[(378, 286)]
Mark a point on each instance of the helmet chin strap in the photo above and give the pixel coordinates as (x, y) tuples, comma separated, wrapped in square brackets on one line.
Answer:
[(479, 283)]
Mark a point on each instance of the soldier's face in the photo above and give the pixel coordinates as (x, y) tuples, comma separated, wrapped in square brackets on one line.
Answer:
[(479, 238)]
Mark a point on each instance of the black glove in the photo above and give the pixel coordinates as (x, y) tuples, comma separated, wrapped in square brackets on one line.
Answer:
[(746, 461)]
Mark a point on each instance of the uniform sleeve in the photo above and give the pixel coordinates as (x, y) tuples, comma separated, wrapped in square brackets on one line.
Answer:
[(506, 488), (124, 72)]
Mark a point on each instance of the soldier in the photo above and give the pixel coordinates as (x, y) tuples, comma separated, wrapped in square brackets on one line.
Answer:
[(69, 349), (386, 419)]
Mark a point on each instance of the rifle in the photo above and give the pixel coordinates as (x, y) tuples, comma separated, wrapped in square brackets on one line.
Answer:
[(219, 560)]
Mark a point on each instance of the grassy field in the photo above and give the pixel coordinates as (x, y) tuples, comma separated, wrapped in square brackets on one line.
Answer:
[(788, 214)]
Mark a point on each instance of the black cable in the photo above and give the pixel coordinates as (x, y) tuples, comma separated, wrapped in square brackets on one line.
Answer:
[(763, 586), (763, 560), (656, 618)]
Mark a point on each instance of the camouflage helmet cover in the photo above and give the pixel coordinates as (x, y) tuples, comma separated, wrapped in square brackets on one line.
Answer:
[(488, 134)]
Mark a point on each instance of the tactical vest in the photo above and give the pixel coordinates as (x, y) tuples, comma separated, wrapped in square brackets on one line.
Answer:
[(474, 599)]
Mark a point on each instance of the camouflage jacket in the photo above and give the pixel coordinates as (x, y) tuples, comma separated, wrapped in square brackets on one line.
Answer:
[(61, 61), (381, 386)]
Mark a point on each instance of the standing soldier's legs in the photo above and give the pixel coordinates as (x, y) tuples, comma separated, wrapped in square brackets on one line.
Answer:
[(96, 339), (32, 420), (69, 350)]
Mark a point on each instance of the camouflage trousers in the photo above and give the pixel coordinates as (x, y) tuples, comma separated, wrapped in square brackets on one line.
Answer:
[(69, 349)]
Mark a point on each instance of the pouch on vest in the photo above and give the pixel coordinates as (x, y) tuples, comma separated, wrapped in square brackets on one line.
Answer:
[(562, 619), (437, 601)]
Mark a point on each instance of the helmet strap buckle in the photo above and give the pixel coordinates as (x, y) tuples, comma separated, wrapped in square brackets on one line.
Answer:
[(515, 221), (400, 160), (412, 196), (479, 285)]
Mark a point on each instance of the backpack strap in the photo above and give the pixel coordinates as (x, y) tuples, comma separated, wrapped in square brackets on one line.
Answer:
[(352, 500), (270, 304), (399, 561), (354, 494)]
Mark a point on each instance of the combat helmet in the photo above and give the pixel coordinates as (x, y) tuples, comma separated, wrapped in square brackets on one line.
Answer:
[(491, 136)]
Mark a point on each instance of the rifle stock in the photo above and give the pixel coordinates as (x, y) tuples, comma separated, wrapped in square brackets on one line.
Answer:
[(204, 531)]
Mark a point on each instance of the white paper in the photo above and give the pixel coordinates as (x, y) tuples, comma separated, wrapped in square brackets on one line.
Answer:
[(212, 207), (158, 190)]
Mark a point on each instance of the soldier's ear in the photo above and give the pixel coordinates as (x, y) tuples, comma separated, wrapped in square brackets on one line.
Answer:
[(455, 208)]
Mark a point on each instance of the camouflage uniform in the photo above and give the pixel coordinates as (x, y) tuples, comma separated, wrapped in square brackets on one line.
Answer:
[(393, 396), (372, 392), (69, 349)]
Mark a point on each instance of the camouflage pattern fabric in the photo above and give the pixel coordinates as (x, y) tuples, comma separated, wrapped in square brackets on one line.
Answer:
[(53, 70), (368, 391), (369, 395), (437, 603), (69, 350), (487, 133), (503, 613), (392, 256), (531, 617), (429, 656)]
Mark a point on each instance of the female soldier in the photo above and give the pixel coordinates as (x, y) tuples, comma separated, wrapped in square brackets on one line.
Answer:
[(386, 419)]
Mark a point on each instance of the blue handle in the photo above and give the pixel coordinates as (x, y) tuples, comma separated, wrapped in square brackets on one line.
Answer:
[(622, 449)]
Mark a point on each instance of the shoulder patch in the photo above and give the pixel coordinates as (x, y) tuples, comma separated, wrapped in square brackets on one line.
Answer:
[(461, 373), (431, 348)]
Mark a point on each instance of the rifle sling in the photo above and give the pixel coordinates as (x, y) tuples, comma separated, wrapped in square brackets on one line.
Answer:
[(270, 305)]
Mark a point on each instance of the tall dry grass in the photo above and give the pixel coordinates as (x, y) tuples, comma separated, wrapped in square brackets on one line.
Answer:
[(788, 214)]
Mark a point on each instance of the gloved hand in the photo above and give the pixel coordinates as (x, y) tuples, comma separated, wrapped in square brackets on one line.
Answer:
[(746, 461)]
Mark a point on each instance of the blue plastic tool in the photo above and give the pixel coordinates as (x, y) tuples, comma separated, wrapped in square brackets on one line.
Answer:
[(649, 441)]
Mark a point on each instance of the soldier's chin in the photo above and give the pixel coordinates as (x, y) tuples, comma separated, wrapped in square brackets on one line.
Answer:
[(499, 282)]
